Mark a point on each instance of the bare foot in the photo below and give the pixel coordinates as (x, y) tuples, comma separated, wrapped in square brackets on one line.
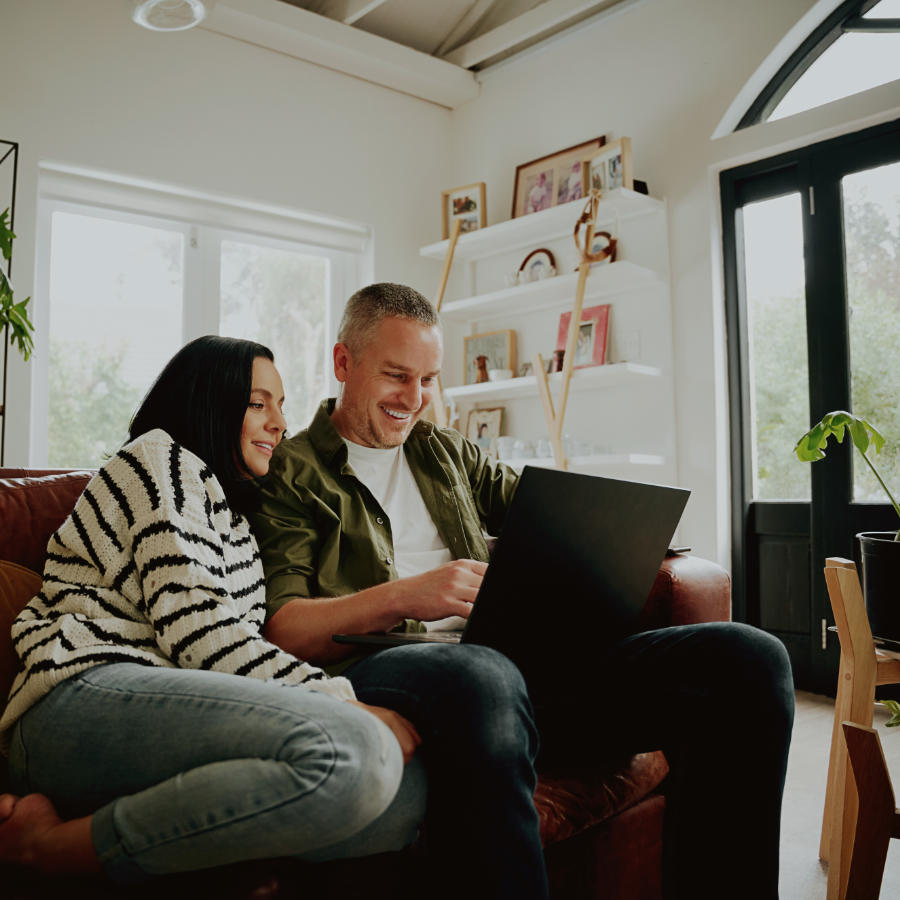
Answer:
[(7, 802), (24, 822)]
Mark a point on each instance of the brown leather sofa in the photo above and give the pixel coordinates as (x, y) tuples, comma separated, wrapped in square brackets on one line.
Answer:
[(602, 830)]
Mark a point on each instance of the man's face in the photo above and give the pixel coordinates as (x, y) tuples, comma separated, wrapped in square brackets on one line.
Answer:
[(389, 384)]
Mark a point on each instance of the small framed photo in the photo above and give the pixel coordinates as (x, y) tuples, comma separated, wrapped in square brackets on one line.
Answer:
[(489, 350), (483, 427), (551, 180), (539, 264), (466, 204), (593, 331), (610, 168)]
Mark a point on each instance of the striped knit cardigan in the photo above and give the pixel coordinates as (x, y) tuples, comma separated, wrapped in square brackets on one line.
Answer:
[(151, 567)]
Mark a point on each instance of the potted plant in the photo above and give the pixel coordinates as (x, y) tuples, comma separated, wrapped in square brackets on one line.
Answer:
[(880, 550), (13, 316), (14, 321)]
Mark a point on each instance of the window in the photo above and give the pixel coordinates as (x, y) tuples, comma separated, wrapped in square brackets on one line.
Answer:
[(857, 47), (279, 296), (122, 291), (776, 342), (116, 298)]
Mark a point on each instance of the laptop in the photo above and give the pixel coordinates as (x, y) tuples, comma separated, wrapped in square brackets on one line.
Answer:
[(572, 568)]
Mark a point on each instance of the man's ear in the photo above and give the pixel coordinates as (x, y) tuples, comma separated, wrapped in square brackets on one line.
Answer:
[(342, 361)]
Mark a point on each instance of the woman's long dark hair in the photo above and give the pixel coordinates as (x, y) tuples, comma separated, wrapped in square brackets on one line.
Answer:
[(200, 399)]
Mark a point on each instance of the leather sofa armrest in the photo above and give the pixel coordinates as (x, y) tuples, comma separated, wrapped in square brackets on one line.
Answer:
[(687, 590)]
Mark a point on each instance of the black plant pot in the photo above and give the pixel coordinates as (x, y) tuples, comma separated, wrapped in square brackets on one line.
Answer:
[(881, 581)]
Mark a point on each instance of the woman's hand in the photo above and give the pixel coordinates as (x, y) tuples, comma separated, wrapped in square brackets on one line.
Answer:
[(402, 728)]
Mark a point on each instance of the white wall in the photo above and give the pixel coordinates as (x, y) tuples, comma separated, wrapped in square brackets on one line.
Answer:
[(84, 86), (663, 73)]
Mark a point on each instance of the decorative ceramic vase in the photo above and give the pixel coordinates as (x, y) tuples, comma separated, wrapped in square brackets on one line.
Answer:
[(880, 555)]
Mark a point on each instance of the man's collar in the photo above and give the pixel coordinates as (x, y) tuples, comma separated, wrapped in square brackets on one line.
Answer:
[(324, 436)]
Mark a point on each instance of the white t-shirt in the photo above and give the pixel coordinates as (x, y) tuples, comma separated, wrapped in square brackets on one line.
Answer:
[(386, 473)]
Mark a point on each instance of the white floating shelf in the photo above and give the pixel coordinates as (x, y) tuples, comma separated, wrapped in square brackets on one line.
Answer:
[(613, 278), (590, 378), (538, 228)]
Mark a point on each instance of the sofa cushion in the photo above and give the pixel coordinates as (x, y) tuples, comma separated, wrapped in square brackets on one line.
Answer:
[(31, 509), (17, 586), (573, 800)]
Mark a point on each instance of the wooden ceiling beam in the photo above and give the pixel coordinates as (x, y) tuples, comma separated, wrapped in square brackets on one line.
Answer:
[(543, 20), (348, 11), (317, 39), (476, 12)]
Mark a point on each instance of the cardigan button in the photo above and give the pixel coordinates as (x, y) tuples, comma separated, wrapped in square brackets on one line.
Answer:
[(379, 520), (388, 560)]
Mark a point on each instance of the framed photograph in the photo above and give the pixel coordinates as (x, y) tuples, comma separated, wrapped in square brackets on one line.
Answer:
[(483, 427), (466, 204), (551, 180), (490, 350), (610, 168), (537, 265), (593, 331)]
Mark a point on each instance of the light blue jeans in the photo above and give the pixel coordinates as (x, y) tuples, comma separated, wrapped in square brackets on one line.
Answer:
[(186, 769)]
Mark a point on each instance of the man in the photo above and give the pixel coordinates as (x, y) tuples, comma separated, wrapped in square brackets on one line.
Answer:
[(374, 517)]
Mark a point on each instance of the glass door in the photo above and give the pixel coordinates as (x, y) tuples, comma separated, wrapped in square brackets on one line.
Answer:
[(812, 264), (871, 215)]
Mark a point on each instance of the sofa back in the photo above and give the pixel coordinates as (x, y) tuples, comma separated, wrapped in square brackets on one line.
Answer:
[(33, 504)]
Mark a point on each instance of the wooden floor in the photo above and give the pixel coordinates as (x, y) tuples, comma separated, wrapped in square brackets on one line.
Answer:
[(803, 876)]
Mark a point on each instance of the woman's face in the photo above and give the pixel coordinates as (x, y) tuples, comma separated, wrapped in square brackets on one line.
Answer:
[(263, 422)]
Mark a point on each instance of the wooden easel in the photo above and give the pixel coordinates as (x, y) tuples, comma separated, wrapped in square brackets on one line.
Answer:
[(555, 420)]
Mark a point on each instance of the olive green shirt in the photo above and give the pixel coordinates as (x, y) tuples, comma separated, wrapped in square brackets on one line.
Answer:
[(322, 533)]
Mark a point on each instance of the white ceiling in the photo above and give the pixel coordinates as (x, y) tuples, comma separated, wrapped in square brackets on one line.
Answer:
[(430, 49), (468, 33)]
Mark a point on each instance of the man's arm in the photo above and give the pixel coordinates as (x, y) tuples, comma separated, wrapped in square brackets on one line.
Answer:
[(304, 625)]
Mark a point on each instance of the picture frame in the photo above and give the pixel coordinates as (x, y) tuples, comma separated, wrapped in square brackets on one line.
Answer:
[(466, 203), (610, 168), (553, 179), (539, 264), (498, 348), (483, 427), (593, 334)]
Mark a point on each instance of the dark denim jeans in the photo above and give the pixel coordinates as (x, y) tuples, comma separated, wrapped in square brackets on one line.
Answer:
[(186, 769), (479, 742), (717, 698)]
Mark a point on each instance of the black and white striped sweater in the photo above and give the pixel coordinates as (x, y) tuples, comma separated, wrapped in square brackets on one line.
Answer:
[(151, 567)]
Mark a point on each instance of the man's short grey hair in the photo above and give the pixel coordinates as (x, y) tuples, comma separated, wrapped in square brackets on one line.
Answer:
[(370, 305)]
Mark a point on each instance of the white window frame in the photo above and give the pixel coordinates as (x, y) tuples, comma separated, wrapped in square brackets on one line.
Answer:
[(204, 220)]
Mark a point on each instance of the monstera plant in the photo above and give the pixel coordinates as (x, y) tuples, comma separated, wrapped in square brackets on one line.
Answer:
[(864, 435), (879, 550)]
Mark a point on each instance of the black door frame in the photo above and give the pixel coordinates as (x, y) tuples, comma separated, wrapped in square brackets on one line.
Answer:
[(814, 172)]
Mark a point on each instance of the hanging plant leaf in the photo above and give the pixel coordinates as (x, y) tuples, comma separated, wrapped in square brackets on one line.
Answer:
[(15, 316), (6, 235)]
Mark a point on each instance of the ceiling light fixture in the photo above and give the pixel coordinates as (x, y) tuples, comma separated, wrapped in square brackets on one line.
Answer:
[(170, 15)]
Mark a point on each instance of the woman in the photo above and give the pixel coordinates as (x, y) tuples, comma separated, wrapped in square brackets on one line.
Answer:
[(159, 731)]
